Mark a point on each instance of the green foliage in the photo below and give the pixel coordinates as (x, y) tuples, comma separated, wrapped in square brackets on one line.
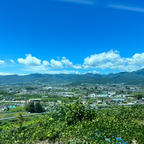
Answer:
[(17, 109), (77, 123), (54, 98), (34, 107), (76, 112), (20, 121), (138, 96), (10, 114), (38, 108), (30, 107)]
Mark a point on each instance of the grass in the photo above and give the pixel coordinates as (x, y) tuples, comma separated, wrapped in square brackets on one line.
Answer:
[(8, 115)]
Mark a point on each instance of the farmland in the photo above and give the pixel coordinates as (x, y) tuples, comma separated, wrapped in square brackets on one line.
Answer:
[(77, 123)]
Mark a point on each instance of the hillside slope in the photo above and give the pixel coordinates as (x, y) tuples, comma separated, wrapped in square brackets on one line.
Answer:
[(135, 78)]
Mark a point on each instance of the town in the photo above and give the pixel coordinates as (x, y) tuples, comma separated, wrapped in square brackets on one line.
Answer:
[(98, 96)]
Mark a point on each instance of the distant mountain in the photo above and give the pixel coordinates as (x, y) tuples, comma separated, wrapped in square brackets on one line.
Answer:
[(134, 78)]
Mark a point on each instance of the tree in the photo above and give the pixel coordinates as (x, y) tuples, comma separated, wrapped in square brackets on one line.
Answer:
[(34, 107), (38, 108), (30, 107), (139, 96)]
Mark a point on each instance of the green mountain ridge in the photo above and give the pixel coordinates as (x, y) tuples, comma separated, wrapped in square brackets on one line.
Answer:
[(133, 78)]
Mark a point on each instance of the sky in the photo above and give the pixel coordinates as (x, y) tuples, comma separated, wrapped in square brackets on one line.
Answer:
[(71, 36)]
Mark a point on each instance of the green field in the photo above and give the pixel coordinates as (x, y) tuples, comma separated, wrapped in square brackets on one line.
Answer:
[(76, 123), (8, 115)]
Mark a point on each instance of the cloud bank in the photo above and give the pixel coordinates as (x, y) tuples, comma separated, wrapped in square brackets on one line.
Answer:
[(112, 60), (95, 63)]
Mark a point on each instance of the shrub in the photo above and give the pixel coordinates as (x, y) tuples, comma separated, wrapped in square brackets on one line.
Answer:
[(76, 112), (34, 107)]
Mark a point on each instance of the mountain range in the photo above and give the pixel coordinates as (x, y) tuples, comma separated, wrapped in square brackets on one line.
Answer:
[(132, 78)]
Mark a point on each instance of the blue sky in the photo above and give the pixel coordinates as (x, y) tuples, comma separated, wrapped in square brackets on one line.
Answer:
[(71, 36)]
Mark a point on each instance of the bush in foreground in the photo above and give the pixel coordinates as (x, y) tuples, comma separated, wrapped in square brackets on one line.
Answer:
[(76, 123), (34, 107)]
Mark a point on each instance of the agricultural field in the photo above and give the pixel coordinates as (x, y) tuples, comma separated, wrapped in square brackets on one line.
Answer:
[(77, 123), (10, 114)]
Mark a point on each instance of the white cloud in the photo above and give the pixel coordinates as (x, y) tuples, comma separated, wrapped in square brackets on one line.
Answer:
[(29, 60), (46, 63), (56, 64), (34, 64), (102, 60), (2, 62), (113, 60), (69, 64), (12, 61), (5, 74), (46, 70), (135, 62), (62, 72), (78, 66), (36, 69), (110, 60), (66, 62), (128, 8), (94, 72)]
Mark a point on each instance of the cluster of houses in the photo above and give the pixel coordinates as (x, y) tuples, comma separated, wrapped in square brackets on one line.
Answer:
[(100, 94)]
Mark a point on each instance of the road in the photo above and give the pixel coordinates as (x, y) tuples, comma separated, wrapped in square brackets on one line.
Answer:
[(9, 118), (13, 101)]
